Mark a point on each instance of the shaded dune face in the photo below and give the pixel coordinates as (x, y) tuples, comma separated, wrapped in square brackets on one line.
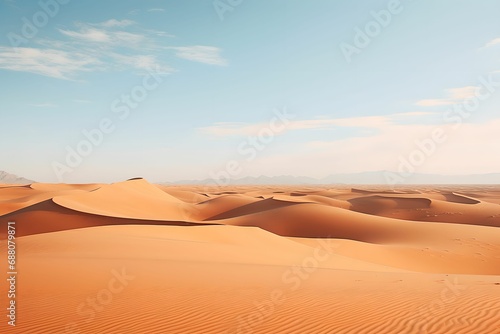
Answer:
[(47, 216), (376, 204), (462, 199), (252, 208), (446, 207)]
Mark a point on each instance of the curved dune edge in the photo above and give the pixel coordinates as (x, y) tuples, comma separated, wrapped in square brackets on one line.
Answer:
[(47, 216), (133, 199), (222, 204), (266, 204), (8, 185), (63, 186), (11, 205), (462, 199)]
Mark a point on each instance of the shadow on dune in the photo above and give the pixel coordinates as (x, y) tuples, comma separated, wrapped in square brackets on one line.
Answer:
[(48, 216), (456, 198), (378, 204), (260, 206)]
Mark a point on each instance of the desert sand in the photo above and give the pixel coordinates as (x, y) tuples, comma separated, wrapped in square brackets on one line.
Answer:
[(133, 257)]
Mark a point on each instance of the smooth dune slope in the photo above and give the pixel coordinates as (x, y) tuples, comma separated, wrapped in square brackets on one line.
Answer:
[(223, 279), (134, 199)]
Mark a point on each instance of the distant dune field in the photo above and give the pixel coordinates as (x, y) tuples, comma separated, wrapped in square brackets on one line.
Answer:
[(133, 257)]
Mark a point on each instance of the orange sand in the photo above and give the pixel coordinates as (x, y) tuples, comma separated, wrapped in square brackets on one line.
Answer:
[(133, 257)]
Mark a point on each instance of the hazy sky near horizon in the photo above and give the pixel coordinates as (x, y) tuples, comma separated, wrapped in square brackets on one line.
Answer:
[(183, 89)]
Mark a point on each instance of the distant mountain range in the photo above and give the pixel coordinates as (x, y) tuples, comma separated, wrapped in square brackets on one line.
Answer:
[(378, 177), (7, 178)]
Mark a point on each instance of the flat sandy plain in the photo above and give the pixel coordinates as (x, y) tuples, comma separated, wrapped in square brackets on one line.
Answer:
[(133, 257)]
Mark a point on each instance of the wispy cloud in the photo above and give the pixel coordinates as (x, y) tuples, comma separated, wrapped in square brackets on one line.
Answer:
[(413, 113), (115, 23), (89, 33), (48, 62), (156, 10), (493, 42), (454, 96), (352, 122), (158, 33), (462, 93), (141, 62), (111, 39), (226, 129), (110, 45), (434, 102), (202, 54)]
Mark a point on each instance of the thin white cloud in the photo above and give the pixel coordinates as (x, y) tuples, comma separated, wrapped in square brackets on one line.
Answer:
[(104, 36), (127, 38), (110, 42), (101, 47), (88, 34), (156, 10), (454, 96), (462, 93), (158, 33), (201, 53), (48, 62), (226, 129), (353, 122), (141, 62), (434, 102), (116, 23), (413, 113), (493, 42)]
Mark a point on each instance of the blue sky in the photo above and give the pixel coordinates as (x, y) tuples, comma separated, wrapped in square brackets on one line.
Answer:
[(222, 71)]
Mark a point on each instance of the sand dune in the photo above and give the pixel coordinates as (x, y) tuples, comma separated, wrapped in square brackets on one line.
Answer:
[(134, 199), (221, 279), (376, 204), (212, 207), (254, 259), (263, 205), (449, 208)]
